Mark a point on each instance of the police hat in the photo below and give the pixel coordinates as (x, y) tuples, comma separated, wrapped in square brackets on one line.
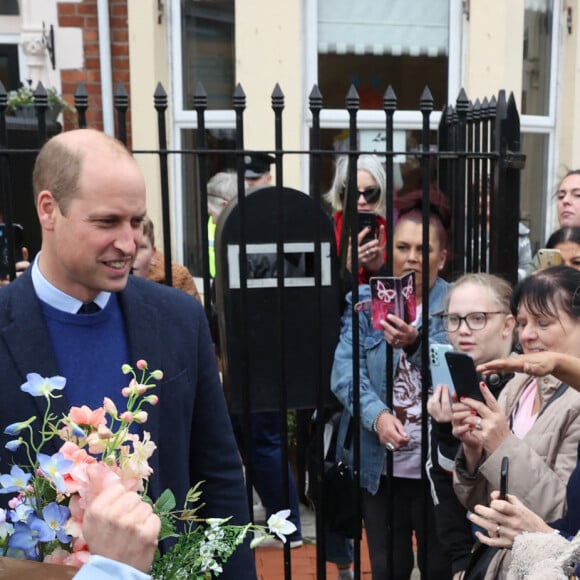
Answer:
[(257, 164)]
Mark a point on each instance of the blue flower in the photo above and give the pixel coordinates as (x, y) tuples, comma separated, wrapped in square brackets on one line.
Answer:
[(39, 386), (16, 481), (15, 428), (55, 516), (13, 445), (54, 467), (25, 539), (22, 510)]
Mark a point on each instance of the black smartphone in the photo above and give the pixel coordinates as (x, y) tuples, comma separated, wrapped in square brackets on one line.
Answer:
[(503, 480), (367, 219), (18, 237), (464, 375)]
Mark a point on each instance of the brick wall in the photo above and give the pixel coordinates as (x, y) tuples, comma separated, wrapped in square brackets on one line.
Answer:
[(84, 15)]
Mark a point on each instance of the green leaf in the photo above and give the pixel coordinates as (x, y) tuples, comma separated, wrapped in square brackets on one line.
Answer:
[(166, 502)]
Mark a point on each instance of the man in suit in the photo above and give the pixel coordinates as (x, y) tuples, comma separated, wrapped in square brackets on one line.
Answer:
[(90, 200)]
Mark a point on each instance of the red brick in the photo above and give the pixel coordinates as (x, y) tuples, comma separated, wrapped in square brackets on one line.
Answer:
[(72, 21), (91, 49), (120, 36), (92, 62), (121, 63), (118, 9), (91, 22), (119, 49), (120, 76), (87, 8), (90, 35), (67, 8), (75, 75)]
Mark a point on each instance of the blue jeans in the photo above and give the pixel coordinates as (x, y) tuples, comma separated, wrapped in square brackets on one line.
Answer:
[(339, 549), (265, 455)]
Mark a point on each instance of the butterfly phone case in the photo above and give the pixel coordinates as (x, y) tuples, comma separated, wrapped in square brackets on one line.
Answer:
[(393, 295)]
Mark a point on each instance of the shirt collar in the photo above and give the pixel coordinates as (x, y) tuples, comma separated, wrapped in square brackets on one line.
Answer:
[(58, 299)]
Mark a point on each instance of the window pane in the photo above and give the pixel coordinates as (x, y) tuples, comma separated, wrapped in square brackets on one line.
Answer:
[(373, 44), (208, 51), (537, 55), (533, 198), (9, 7)]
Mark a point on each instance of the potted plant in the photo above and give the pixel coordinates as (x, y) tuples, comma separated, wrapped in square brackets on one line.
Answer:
[(21, 103)]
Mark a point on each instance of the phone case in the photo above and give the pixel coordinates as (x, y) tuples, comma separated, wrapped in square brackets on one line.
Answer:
[(18, 242), (393, 295), (367, 219), (549, 257), (463, 375), (438, 366)]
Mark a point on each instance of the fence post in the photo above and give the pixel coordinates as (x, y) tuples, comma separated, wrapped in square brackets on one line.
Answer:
[(81, 104), (507, 192), (160, 101)]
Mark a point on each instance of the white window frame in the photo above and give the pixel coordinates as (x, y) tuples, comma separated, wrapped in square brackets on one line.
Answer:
[(403, 120), (549, 124)]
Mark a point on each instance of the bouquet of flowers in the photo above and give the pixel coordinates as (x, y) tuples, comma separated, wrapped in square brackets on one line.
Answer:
[(43, 521)]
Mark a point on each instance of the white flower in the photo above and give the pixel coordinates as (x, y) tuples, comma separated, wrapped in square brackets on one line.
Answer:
[(279, 525)]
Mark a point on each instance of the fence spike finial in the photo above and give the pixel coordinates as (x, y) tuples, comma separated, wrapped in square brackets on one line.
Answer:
[(390, 100), (160, 98), (352, 99), (239, 97), (426, 102), (277, 98), (315, 99)]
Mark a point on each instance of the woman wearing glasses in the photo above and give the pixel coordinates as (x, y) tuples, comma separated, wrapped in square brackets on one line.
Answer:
[(371, 198), (478, 321), (535, 421)]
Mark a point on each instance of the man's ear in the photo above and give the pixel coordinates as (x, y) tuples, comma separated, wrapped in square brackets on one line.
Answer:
[(46, 208)]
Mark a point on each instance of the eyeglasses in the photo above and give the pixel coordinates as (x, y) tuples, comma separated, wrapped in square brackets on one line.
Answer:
[(371, 194), (474, 320)]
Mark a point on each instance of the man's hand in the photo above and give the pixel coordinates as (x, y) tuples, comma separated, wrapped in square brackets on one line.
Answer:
[(120, 526)]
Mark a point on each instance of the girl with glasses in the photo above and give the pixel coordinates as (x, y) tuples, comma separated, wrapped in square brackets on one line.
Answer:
[(535, 421), (371, 198), (478, 321)]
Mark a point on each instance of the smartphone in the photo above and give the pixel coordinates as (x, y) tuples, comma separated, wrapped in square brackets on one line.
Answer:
[(548, 257), (438, 366), (367, 219), (463, 374), (18, 237), (503, 480)]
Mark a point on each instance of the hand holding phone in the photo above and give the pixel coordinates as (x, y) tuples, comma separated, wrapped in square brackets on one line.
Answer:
[(464, 375), (503, 481), (438, 366)]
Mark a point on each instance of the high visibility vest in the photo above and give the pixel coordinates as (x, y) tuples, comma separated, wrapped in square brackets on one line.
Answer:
[(211, 246)]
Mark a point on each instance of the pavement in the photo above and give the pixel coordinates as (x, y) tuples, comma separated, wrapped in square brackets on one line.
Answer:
[(270, 564)]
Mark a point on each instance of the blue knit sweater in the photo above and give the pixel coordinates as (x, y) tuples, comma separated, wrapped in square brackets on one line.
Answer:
[(90, 350)]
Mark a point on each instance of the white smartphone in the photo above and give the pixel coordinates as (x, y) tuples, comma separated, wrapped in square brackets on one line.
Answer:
[(438, 365)]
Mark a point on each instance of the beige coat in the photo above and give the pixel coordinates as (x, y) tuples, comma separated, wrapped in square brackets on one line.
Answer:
[(540, 463)]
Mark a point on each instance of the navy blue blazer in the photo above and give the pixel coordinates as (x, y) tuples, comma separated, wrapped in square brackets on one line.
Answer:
[(190, 425)]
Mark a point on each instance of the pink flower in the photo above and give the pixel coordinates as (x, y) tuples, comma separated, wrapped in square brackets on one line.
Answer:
[(96, 444), (110, 407), (76, 478), (85, 416), (152, 399), (77, 559), (57, 557), (140, 417), (127, 416), (141, 364)]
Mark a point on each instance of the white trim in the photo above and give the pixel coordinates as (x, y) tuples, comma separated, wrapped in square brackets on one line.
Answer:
[(233, 251)]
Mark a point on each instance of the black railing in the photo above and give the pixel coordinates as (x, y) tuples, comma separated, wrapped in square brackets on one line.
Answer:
[(476, 164)]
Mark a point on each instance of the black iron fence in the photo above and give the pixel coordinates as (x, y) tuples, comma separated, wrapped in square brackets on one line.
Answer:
[(475, 162)]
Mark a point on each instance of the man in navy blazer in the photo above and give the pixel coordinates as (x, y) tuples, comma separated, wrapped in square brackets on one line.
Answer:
[(90, 200)]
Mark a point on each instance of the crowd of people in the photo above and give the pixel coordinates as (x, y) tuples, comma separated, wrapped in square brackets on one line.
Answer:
[(95, 234)]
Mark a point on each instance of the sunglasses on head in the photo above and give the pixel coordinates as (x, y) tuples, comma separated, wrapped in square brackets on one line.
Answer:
[(371, 194)]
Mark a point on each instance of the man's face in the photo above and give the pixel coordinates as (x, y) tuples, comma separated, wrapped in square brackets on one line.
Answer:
[(263, 180), (92, 247)]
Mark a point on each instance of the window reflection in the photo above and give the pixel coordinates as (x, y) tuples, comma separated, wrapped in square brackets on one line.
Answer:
[(208, 36), (537, 57)]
